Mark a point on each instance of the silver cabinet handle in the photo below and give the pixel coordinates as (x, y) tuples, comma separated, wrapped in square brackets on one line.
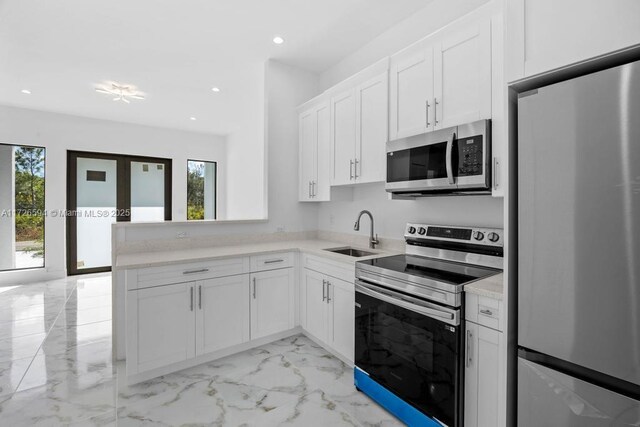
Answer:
[(324, 295), (355, 168), (427, 103), (435, 110), (313, 189), (200, 297), (309, 189), (494, 172), (469, 347), (191, 298), (273, 261), (486, 312), (449, 158), (328, 292), (201, 270), (254, 288), (351, 169)]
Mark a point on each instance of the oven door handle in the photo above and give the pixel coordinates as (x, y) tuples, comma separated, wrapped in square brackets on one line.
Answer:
[(449, 158), (427, 311)]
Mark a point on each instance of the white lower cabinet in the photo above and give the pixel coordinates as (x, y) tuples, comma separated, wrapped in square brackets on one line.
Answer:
[(222, 313), (483, 366), (155, 340), (329, 310), (272, 302)]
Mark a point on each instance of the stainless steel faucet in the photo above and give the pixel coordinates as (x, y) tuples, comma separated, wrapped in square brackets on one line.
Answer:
[(373, 241)]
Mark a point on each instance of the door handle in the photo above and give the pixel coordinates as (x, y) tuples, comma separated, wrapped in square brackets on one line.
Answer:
[(427, 103), (435, 110), (355, 168), (351, 169), (469, 347), (324, 295), (191, 298), (328, 292), (254, 288), (200, 297), (449, 158)]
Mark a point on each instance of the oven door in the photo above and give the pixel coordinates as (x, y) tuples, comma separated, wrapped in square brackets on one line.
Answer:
[(412, 348), (420, 163)]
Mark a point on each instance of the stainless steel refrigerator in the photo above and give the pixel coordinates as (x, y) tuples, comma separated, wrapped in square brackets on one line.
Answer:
[(579, 252)]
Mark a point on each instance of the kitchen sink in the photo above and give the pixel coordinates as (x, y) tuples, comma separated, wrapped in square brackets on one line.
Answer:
[(350, 251)]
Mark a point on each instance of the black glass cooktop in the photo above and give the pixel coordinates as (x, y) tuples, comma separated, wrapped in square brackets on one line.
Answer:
[(430, 268)]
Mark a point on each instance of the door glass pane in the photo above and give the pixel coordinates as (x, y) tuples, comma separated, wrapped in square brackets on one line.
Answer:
[(201, 190), (147, 191), (96, 181), (21, 207)]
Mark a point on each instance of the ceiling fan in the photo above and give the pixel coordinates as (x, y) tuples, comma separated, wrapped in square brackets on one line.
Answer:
[(120, 92)]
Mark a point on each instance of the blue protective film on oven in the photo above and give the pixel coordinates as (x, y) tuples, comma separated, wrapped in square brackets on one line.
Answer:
[(392, 403)]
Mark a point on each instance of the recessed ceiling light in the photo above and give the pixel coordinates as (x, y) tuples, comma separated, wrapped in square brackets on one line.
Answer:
[(192, 118), (26, 91), (215, 89), (278, 40)]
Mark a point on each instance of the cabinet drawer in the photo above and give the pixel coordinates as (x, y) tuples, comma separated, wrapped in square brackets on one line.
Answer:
[(484, 311), (164, 275), (271, 261), (339, 270)]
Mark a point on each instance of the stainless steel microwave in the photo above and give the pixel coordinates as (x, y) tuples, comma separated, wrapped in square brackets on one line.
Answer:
[(455, 160)]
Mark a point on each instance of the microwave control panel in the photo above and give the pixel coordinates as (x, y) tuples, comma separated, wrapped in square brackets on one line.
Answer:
[(470, 156)]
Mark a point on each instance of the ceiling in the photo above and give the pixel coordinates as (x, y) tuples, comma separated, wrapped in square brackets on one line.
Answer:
[(174, 51)]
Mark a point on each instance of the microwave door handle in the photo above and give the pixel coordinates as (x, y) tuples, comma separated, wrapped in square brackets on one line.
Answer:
[(449, 158), (404, 304)]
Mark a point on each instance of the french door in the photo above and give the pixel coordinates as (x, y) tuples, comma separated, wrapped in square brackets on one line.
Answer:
[(106, 188)]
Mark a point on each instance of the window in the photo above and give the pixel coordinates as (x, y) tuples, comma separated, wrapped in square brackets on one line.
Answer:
[(201, 190), (22, 180)]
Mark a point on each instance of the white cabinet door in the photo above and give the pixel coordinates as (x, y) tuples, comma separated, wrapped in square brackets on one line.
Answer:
[(411, 93), (222, 313), (308, 153), (321, 184), (372, 113), (272, 304), (482, 376), (342, 299), (462, 73), (161, 324), (343, 137), (315, 304)]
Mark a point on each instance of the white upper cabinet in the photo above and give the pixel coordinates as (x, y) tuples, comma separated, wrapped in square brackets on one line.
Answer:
[(462, 75), (411, 92), (548, 34), (222, 313), (272, 302), (314, 162), (343, 137), (372, 101)]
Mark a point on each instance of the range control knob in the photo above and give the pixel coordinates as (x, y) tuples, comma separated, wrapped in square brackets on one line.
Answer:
[(411, 230), (494, 237), (422, 231), (478, 235)]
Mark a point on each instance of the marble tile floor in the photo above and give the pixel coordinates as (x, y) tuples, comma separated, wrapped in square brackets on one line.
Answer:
[(56, 369)]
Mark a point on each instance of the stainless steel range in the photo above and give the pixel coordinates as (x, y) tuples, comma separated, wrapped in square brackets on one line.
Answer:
[(409, 320)]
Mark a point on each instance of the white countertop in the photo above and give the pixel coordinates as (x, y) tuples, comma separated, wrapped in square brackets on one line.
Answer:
[(312, 246), (491, 287)]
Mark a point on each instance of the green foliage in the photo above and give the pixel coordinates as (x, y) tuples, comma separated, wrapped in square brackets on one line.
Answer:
[(29, 194), (29, 227), (195, 212), (195, 190)]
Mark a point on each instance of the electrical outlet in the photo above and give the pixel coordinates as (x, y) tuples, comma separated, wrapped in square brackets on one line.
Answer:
[(181, 235)]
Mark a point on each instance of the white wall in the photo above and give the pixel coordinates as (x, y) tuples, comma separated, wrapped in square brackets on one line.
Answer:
[(246, 179), (392, 215), (60, 132), (286, 87)]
